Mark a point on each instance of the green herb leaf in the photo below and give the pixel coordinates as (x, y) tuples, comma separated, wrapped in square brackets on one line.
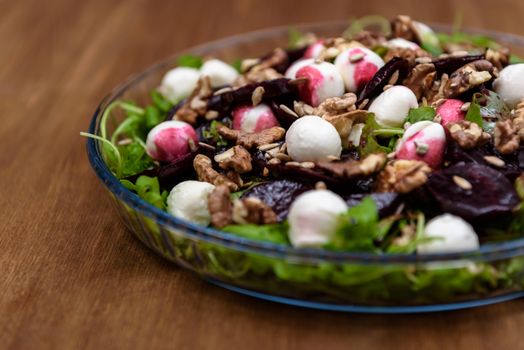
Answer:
[(474, 115), (377, 138), (190, 61), (275, 233), (416, 115), (358, 228), (294, 37), (514, 59), (153, 117), (134, 159), (148, 188), (160, 102), (211, 135), (237, 64)]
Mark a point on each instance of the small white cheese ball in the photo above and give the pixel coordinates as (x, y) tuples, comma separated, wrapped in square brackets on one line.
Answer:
[(178, 83), (219, 72), (188, 200), (291, 72), (312, 138), (314, 217), (170, 140), (401, 43), (510, 84), (324, 81), (391, 107), (452, 235), (357, 65)]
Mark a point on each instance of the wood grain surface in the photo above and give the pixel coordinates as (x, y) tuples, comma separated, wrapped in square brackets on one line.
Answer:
[(71, 276)]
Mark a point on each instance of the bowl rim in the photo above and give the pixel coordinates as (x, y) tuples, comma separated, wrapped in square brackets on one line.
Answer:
[(486, 252)]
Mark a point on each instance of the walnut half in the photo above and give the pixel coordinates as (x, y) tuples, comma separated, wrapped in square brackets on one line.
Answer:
[(403, 176), (205, 172), (220, 206), (355, 168), (507, 139), (252, 210), (252, 139), (468, 134), (236, 158)]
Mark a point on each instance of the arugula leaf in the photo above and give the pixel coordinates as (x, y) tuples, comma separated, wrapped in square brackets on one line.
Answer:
[(148, 188), (190, 61), (160, 102), (358, 228), (211, 133), (294, 37), (373, 133), (134, 159), (492, 108), (237, 64), (474, 115), (514, 59), (421, 114), (153, 117), (275, 233)]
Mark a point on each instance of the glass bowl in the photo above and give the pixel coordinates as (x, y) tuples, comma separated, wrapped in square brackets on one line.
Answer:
[(357, 282)]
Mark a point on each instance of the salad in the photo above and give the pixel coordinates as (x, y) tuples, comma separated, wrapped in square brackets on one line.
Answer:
[(400, 140)]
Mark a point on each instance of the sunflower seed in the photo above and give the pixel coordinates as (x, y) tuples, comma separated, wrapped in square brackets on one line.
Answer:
[(495, 161), (462, 183)]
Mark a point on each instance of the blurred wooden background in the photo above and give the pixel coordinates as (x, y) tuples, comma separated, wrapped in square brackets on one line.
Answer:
[(72, 277)]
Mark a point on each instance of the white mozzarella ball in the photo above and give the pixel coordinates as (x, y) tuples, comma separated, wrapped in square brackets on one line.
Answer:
[(179, 83), (189, 201), (253, 118), (311, 138), (510, 84), (401, 43), (170, 140), (357, 65), (391, 107), (314, 217), (451, 235), (291, 72), (324, 81), (219, 72)]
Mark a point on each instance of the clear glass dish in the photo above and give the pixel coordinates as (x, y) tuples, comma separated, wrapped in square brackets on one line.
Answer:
[(357, 282)]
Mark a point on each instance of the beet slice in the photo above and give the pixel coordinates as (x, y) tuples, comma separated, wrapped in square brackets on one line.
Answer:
[(492, 195), (278, 194), (450, 64), (272, 89), (387, 202), (381, 78)]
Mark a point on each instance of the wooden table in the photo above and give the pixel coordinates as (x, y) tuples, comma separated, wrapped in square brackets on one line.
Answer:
[(73, 277)]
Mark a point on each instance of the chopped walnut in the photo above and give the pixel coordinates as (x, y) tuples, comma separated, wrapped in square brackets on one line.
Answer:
[(436, 93), (236, 158), (403, 176), (355, 168), (262, 69), (205, 172), (196, 104), (421, 79), (499, 58), (369, 39), (410, 55), (341, 112), (220, 206), (468, 134), (403, 27), (467, 77), (253, 211), (334, 46), (506, 138), (252, 139), (518, 121)]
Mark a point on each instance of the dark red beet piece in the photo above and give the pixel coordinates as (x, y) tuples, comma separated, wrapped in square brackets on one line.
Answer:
[(272, 89), (387, 202), (450, 64), (278, 194), (381, 78), (492, 195)]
